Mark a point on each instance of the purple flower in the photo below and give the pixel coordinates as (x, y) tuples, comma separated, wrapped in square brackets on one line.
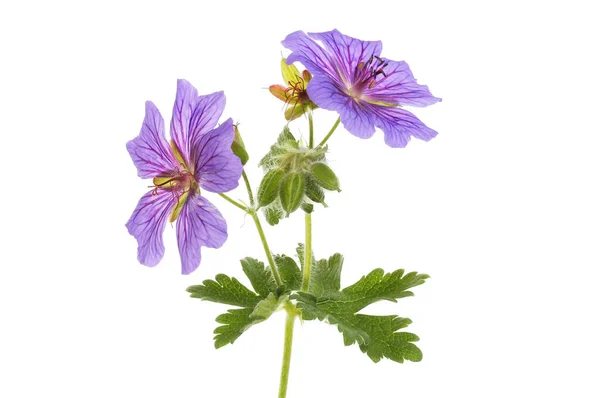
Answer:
[(198, 156), (367, 90)]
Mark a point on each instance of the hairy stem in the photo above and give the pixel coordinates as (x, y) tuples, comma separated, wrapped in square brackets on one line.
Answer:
[(267, 250), (287, 350), (337, 122), (307, 251), (310, 130), (234, 202), (248, 188), (261, 233)]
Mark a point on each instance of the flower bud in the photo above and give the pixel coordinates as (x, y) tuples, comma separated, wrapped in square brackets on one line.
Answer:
[(238, 148), (324, 176), (313, 191), (307, 207), (291, 191), (269, 187)]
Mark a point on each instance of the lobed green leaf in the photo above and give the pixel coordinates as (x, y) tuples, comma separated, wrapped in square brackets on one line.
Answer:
[(289, 271), (225, 290), (260, 277)]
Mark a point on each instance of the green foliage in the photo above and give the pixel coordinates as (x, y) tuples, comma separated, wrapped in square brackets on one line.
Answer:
[(325, 276), (225, 290), (260, 277), (377, 336), (289, 271), (256, 306)]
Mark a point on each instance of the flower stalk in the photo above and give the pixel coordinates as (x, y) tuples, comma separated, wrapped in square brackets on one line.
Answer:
[(287, 348)]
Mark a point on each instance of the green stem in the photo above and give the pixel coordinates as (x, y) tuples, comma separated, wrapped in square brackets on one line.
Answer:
[(310, 130), (307, 251), (337, 122), (287, 351), (248, 188), (267, 250), (261, 233), (234, 202)]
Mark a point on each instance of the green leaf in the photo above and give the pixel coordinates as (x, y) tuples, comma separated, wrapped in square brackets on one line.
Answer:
[(236, 321), (260, 277), (289, 271), (300, 254), (376, 286), (268, 306), (225, 290), (377, 336), (325, 276)]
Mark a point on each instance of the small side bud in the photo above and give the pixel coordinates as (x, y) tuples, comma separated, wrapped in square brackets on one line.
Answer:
[(269, 187), (237, 146), (325, 177), (306, 76), (307, 207), (291, 191)]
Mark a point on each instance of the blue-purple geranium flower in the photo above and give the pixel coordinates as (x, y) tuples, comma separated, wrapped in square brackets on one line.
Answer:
[(199, 156), (367, 90)]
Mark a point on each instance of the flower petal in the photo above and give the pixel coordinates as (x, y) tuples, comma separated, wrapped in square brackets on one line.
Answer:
[(357, 119), (206, 114), (199, 224), (147, 224), (149, 150), (310, 54), (347, 52), (217, 168), (399, 87), (185, 102), (399, 126)]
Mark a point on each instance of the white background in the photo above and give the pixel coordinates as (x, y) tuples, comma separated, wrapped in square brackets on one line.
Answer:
[(501, 209)]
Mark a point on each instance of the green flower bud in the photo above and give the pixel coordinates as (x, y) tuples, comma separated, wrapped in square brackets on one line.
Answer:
[(313, 191), (324, 176), (307, 207), (238, 148), (269, 187), (291, 191)]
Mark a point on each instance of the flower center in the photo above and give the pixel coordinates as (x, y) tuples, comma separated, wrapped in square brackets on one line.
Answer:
[(179, 182), (365, 75)]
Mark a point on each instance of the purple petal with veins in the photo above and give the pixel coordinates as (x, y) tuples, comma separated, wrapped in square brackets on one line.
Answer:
[(147, 224), (199, 224), (218, 169), (150, 151)]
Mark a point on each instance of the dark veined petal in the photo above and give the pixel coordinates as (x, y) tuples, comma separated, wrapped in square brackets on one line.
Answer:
[(218, 169), (199, 224), (310, 54), (185, 103), (399, 126), (399, 87), (206, 114), (347, 52), (147, 224), (149, 150), (357, 119)]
